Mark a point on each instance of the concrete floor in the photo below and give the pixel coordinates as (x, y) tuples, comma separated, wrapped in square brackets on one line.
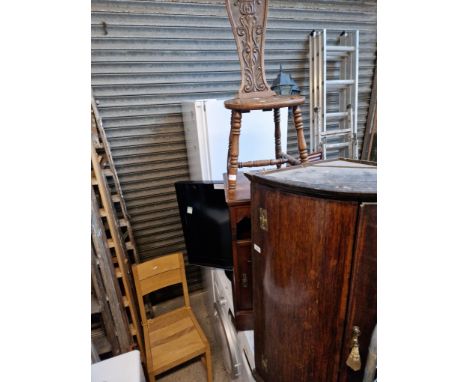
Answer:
[(194, 371)]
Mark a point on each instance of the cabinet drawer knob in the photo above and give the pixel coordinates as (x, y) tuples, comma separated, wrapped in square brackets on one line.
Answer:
[(354, 358)]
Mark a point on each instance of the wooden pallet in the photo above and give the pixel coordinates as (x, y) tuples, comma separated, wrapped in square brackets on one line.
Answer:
[(113, 332), (119, 241), (104, 337)]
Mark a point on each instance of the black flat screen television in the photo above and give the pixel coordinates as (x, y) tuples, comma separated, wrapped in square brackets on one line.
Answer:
[(205, 222)]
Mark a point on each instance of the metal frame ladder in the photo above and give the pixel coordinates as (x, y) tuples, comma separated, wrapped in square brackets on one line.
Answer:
[(333, 74)]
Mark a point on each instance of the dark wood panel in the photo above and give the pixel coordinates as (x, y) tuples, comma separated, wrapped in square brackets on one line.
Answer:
[(238, 202), (302, 266), (244, 275), (241, 247), (362, 310)]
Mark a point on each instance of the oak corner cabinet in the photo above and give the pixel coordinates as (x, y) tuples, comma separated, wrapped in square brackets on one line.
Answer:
[(314, 247)]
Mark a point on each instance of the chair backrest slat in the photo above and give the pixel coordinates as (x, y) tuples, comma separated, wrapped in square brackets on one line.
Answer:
[(157, 266), (159, 273), (159, 281)]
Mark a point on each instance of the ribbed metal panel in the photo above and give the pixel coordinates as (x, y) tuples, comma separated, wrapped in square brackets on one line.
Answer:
[(149, 56)]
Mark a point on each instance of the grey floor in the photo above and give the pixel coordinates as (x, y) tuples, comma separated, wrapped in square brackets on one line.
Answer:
[(194, 371)]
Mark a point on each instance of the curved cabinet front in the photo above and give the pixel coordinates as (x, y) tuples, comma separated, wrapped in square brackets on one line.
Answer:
[(314, 280)]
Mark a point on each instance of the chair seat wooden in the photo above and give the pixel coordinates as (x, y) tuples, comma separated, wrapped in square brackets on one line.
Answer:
[(264, 103), (175, 337)]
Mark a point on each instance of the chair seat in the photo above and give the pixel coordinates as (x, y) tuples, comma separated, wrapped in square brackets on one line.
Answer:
[(264, 103), (175, 337)]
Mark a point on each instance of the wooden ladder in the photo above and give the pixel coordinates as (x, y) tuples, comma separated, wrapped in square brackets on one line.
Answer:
[(119, 238), (100, 144)]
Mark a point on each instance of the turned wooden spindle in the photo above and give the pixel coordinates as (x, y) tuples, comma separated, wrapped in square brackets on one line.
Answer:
[(301, 142), (236, 117), (230, 144), (277, 135), (264, 162)]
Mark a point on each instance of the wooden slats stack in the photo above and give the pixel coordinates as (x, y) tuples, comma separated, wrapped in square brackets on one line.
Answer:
[(118, 235)]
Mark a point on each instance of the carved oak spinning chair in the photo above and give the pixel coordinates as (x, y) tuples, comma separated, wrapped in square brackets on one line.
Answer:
[(175, 337), (248, 22)]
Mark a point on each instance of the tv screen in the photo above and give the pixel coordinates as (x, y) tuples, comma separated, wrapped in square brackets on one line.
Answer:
[(205, 222)]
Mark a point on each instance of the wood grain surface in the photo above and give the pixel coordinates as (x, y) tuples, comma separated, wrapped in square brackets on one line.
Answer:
[(264, 103), (362, 306), (314, 269), (300, 284)]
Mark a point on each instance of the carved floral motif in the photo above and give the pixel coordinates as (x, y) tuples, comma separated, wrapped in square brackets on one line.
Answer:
[(251, 33)]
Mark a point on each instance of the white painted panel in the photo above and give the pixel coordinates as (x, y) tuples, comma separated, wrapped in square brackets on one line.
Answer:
[(122, 368)]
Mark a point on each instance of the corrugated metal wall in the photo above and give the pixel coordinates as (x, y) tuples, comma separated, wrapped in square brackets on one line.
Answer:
[(149, 56)]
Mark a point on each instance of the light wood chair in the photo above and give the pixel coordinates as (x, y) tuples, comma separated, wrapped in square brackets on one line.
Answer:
[(174, 337)]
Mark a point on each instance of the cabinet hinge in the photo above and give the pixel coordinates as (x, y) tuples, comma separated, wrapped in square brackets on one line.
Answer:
[(263, 219)]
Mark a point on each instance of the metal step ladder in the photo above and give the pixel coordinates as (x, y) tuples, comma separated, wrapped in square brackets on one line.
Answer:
[(333, 84)]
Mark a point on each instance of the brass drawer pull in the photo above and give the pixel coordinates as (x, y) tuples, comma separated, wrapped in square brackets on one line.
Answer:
[(354, 359)]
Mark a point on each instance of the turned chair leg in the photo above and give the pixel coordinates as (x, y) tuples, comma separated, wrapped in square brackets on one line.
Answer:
[(277, 135), (229, 148), (233, 152), (301, 142)]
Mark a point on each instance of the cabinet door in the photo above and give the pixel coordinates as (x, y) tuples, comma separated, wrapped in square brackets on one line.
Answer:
[(362, 308), (301, 268)]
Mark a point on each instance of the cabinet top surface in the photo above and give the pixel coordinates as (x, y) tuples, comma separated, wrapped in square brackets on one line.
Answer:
[(337, 178)]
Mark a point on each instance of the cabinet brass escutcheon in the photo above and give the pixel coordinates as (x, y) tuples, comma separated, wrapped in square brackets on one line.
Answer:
[(244, 280), (264, 362)]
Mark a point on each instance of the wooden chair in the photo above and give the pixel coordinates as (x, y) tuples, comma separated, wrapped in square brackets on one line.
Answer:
[(174, 337), (248, 22)]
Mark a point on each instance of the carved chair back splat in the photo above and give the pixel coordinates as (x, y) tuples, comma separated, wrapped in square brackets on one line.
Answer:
[(248, 22)]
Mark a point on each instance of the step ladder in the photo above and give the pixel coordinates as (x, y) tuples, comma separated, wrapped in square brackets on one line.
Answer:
[(333, 84)]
